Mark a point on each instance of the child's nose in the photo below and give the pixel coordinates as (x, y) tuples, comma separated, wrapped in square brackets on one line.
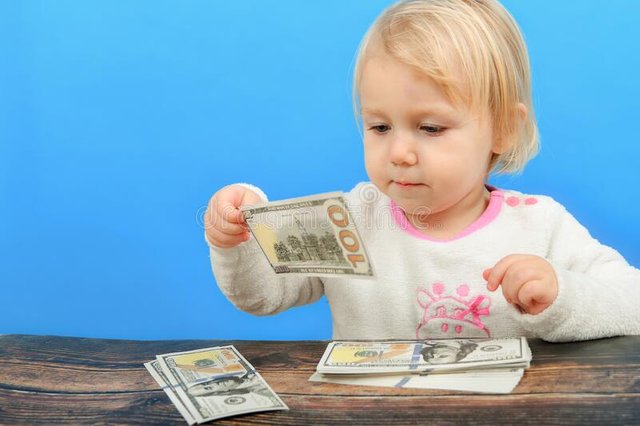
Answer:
[(403, 150)]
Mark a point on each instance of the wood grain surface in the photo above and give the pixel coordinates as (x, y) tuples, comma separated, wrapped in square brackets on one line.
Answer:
[(45, 379)]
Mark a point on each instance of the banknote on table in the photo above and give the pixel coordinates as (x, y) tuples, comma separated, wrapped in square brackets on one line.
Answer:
[(310, 236), (212, 383), (153, 367), (420, 356), (499, 381)]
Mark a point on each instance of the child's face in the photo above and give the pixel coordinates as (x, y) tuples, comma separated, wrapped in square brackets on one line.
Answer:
[(422, 152)]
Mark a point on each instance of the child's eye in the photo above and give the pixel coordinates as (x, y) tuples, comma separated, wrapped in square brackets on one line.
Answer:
[(431, 129), (380, 128)]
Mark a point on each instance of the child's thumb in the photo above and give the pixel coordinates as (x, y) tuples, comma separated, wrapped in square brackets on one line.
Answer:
[(249, 197)]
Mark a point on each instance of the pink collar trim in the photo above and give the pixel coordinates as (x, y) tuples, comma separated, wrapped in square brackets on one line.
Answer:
[(491, 212)]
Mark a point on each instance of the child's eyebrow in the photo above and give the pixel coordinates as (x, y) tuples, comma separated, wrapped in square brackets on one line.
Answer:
[(439, 111), (371, 111)]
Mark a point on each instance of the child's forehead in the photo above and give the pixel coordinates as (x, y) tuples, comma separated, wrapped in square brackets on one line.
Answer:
[(386, 66), (422, 90)]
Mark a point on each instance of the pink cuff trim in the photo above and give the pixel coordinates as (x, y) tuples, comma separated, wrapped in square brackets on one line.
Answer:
[(491, 212)]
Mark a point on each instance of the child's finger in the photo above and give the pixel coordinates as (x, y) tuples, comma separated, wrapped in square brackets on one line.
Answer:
[(534, 296), (231, 199), (227, 210), (231, 228), (514, 278), (214, 220), (496, 274), (486, 273), (249, 198), (223, 240)]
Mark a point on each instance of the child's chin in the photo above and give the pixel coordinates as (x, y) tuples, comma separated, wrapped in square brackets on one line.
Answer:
[(413, 207)]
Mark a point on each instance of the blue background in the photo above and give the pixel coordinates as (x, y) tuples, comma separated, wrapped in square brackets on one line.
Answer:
[(119, 119)]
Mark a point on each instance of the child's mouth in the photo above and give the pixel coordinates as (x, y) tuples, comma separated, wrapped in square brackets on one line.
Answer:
[(406, 184)]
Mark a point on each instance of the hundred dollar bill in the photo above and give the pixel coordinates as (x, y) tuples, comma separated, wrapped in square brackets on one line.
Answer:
[(423, 356), (154, 369), (502, 380), (311, 236), (217, 382)]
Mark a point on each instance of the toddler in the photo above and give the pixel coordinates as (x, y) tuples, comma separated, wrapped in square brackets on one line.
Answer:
[(443, 91)]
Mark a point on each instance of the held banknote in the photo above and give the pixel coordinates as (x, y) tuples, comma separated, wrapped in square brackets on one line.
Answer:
[(311, 236), (211, 383), (442, 355)]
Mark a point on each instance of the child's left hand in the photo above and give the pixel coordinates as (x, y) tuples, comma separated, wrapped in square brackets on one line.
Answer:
[(528, 282)]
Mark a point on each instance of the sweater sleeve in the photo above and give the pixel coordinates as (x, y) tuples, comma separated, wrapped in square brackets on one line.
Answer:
[(247, 280), (598, 291)]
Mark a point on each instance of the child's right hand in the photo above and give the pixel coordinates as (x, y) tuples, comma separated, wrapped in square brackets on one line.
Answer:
[(224, 223)]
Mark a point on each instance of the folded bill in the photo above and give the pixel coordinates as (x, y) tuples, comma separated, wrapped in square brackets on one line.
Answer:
[(310, 236), (153, 367), (444, 355), (211, 383)]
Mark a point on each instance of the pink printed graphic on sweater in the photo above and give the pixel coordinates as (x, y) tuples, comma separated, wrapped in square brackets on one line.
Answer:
[(515, 201), (448, 315)]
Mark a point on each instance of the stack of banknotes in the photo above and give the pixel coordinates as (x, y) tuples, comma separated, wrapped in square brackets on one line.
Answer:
[(475, 365), (212, 383)]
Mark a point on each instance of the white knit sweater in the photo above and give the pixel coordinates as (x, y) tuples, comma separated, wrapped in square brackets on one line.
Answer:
[(434, 289)]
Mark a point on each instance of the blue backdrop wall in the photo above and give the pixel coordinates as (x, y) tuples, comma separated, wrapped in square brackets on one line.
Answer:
[(118, 121)]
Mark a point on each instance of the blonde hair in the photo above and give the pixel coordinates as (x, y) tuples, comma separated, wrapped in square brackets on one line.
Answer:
[(474, 50)]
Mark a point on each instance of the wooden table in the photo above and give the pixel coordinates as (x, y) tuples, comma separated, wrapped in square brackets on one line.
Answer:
[(86, 381)]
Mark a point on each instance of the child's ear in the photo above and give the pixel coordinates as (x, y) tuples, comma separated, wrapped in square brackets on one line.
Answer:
[(504, 143), (523, 112)]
